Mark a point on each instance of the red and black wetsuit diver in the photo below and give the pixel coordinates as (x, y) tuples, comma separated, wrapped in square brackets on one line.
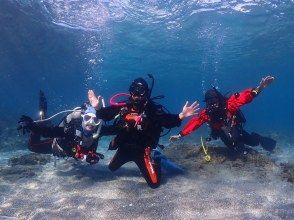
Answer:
[(139, 122), (225, 119), (76, 136)]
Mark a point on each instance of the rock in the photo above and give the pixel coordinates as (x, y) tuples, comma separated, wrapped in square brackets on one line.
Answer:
[(30, 159), (24, 166), (18, 172), (253, 164)]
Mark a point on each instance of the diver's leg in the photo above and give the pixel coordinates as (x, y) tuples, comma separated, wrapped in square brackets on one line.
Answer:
[(39, 146), (150, 170), (226, 137), (255, 139), (231, 138), (119, 159), (252, 139)]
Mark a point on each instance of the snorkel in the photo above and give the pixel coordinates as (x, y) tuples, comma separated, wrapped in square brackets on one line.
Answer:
[(152, 83)]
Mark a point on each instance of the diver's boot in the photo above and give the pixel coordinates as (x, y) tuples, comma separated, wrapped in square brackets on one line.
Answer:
[(268, 143), (42, 105)]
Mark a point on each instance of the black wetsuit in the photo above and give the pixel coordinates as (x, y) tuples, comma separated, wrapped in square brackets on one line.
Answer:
[(136, 139), (65, 136)]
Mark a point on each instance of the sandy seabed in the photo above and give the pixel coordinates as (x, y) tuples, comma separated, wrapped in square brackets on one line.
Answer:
[(251, 186)]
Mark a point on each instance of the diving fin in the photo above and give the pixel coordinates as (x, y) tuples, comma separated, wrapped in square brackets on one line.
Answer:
[(42, 105), (171, 166), (267, 143), (167, 164)]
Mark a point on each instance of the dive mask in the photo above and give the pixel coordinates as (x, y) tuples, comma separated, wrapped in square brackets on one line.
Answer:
[(138, 90), (91, 119)]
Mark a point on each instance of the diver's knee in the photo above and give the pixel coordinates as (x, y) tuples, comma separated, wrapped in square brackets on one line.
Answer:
[(112, 167), (153, 185)]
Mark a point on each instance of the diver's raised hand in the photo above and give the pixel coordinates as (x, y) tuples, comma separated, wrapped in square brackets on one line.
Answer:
[(25, 124), (175, 138), (189, 110), (95, 101), (265, 82)]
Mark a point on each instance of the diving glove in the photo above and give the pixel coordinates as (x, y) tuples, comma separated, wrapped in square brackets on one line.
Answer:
[(94, 157), (175, 137), (25, 124)]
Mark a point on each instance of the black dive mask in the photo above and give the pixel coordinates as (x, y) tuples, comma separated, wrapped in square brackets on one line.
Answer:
[(138, 90), (139, 93)]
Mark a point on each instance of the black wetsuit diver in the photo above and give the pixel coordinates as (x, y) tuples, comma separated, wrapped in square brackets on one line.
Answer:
[(139, 125), (69, 138)]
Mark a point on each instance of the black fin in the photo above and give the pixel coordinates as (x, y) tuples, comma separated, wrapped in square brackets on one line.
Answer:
[(267, 143)]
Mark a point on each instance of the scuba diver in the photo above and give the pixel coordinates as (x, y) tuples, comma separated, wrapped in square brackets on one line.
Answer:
[(76, 136), (139, 122), (226, 120)]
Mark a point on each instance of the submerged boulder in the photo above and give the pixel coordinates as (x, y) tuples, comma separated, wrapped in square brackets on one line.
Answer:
[(30, 159), (24, 166), (17, 172)]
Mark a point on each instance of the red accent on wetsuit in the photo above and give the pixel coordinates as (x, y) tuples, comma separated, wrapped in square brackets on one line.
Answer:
[(80, 153), (149, 165), (233, 104), (195, 123), (236, 101), (133, 117)]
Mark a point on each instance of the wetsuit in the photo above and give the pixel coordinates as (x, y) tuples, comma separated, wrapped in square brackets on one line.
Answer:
[(138, 133), (67, 139), (228, 126)]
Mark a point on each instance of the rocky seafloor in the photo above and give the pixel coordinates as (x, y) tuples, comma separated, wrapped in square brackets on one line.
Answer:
[(251, 186), (253, 164)]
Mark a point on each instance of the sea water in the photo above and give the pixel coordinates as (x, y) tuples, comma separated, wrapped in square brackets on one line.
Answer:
[(67, 47)]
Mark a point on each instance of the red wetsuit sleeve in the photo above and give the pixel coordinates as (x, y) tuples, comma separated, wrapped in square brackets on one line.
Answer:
[(239, 99), (195, 123)]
